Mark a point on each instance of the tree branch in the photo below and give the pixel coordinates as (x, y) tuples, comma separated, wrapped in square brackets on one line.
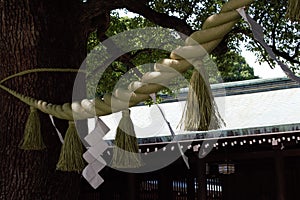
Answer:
[(262, 50), (296, 51), (245, 31), (284, 55), (280, 53), (161, 19), (94, 8)]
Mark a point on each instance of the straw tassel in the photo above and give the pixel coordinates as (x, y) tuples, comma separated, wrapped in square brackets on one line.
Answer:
[(126, 151), (70, 158), (32, 136), (201, 113), (293, 10)]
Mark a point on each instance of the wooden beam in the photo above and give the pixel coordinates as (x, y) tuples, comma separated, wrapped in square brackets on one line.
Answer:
[(215, 157), (201, 178), (280, 177)]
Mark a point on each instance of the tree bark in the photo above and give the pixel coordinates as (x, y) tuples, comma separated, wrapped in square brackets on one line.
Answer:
[(37, 34)]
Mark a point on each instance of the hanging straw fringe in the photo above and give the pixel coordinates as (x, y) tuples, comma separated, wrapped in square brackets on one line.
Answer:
[(201, 113), (32, 136), (293, 10), (70, 158), (126, 151)]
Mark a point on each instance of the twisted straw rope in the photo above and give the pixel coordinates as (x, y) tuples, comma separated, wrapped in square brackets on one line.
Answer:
[(213, 30)]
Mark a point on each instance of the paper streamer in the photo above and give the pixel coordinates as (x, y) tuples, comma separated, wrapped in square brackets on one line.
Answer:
[(258, 35), (93, 155), (57, 131), (185, 158)]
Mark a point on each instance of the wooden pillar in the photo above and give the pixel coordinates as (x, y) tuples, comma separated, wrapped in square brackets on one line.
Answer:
[(201, 178), (165, 187), (280, 176), (131, 187), (190, 186)]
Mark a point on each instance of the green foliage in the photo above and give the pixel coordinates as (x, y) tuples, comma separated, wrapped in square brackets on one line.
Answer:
[(280, 34), (233, 67), (93, 42), (142, 59), (121, 24)]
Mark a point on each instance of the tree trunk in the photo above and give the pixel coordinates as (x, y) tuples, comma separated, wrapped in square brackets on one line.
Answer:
[(37, 34)]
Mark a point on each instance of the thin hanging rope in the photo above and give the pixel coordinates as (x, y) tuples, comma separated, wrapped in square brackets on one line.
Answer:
[(42, 70)]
